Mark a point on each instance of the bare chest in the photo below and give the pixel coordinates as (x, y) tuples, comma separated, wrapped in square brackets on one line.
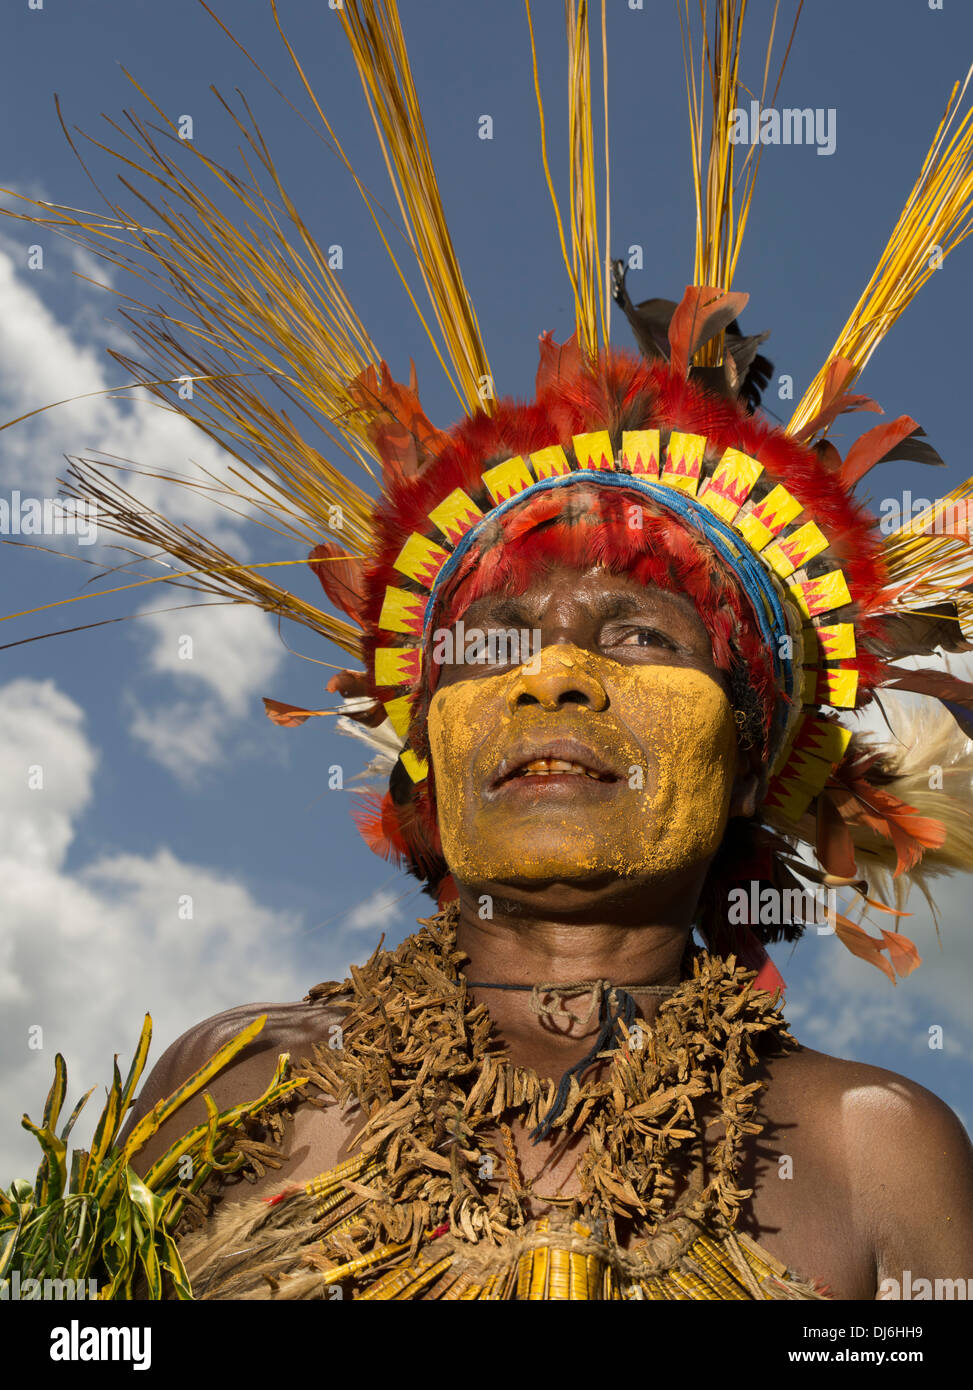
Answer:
[(802, 1206)]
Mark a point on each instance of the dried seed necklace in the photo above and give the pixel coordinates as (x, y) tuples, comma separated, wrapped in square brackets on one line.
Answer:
[(615, 1004), (420, 1058), (413, 1214)]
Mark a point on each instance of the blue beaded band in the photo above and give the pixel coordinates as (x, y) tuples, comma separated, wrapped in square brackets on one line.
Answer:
[(754, 578)]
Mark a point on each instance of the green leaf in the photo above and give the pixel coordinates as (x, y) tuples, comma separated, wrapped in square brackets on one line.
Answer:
[(21, 1191), (55, 1096), (8, 1245), (110, 1220), (53, 1168), (138, 1065), (118, 1246), (65, 1132), (107, 1179), (107, 1129), (149, 1228), (149, 1258), (172, 1263), (157, 1117), (146, 1202)]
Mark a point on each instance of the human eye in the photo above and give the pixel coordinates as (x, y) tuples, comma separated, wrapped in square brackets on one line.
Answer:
[(639, 636)]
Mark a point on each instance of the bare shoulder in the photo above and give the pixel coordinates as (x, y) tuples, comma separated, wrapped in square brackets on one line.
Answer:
[(291, 1028), (863, 1101), (286, 1026), (899, 1151)]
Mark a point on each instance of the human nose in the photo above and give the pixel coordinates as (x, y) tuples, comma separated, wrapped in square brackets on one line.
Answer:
[(562, 677)]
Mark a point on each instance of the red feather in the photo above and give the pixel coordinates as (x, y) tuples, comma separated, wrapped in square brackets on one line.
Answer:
[(289, 716), (834, 401), (872, 447), (905, 956), (860, 944), (398, 426), (839, 373), (559, 362), (703, 311), (374, 816), (342, 578), (889, 817), (834, 846), (841, 405), (354, 685)]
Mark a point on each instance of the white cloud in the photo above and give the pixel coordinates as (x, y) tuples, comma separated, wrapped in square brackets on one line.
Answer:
[(220, 660), (236, 651), (941, 985), (41, 363), (231, 651), (381, 911), (840, 1004), (185, 738), (43, 360), (85, 953), (45, 772)]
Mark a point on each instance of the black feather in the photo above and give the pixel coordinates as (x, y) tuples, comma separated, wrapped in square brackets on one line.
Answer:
[(649, 322)]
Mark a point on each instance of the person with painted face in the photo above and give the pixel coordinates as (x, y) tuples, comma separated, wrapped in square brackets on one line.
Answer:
[(574, 1080), (557, 1091)]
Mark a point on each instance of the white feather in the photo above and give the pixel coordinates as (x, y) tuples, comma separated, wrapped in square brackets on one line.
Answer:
[(383, 741), (932, 764)]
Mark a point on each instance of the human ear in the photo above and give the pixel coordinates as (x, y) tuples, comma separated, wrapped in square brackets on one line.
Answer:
[(749, 783)]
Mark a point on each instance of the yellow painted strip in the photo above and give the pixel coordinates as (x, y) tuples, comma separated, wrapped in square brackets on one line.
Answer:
[(594, 451)]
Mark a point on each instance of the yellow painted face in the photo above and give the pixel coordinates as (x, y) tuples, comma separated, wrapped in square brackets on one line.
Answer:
[(579, 767)]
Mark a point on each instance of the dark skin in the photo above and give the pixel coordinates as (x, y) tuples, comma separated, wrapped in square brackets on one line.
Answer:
[(881, 1170)]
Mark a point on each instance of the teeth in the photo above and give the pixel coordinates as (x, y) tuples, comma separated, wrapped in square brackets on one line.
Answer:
[(543, 767)]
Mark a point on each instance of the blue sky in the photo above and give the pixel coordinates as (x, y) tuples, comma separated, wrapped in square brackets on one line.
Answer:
[(163, 778)]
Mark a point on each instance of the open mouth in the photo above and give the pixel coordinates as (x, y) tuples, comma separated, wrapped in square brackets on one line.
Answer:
[(550, 767), (557, 762)]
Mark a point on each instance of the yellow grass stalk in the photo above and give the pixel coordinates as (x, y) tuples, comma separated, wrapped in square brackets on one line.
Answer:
[(932, 568), (252, 296), (584, 265), (606, 324), (378, 47), (938, 215), (209, 569), (722, 211), (255, 286)]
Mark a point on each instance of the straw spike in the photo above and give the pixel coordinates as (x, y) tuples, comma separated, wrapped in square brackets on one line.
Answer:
[(583, 264), (374, 32), (938, 215), (721, 214)]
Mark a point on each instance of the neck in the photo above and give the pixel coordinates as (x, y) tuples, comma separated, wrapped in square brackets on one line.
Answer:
[(519, 949)]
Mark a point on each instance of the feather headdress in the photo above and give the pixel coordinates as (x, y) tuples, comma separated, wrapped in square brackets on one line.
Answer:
[(809, 606)]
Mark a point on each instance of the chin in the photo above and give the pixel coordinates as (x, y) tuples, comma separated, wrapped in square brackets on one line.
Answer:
[(532, 855), (564, 891)]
